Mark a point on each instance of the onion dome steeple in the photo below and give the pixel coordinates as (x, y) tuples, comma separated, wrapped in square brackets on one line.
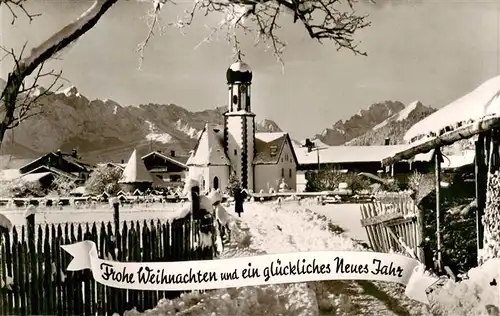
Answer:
[(239, 72)]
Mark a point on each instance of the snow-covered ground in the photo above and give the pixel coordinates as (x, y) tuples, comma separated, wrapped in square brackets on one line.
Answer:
[(347, 216), (292, 227), (269, 228), (88, 215)]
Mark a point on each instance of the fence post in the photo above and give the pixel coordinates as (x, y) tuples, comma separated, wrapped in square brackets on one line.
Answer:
[(195, 208), (115, 203), (30, 221)]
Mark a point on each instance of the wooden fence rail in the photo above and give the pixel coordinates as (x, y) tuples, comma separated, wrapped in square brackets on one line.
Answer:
[(393, 227), (34, 280)]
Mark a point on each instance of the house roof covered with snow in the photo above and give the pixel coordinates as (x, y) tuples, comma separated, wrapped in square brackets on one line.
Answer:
[(180, 161), (209, 149), (33, 177), (470, 114), (349, 154), (135, 171), (268, 147), (482, 103), (68, 158), (55, 171)]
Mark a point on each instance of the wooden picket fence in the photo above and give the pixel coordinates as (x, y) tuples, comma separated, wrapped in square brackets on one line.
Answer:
[(36, 265), (393, 227)]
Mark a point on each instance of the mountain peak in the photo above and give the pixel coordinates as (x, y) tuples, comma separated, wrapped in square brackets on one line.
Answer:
[(395, 126), (266, 125), (70, 91), (360, 123)]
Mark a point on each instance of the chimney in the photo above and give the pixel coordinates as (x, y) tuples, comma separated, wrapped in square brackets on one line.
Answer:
[(172, 153), (74, 153), (123, 161), (387, 141), (309, 145), (159, 151)]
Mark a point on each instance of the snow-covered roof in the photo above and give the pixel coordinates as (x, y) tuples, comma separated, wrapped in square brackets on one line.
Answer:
[(240, 66), (268, 147), (32, 177), (135, 171), (482, 103), (9, 174), (55, 171), (171, 159), (346, 154), (269, 137), (209, 149)]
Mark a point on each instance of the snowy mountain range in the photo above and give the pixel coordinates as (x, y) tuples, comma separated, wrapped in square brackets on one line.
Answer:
[(395, 126), (388, 119), (103, 130), (360, 123)]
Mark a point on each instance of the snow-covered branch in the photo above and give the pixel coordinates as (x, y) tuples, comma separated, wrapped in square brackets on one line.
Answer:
[(24, 67), (333, 20)]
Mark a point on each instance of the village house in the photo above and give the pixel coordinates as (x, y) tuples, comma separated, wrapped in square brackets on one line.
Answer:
[(171, 169), (260, 161), (135, 176), (313, 156), (56, 164), (168, 171)]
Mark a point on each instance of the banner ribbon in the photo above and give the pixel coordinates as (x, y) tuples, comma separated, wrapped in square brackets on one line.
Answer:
[(251, 271)]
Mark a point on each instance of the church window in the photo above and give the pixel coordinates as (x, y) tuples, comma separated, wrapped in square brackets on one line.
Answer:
[(282, 172), (235, 152), (274, 150), (235, 99), (289, 173), (216, 183)]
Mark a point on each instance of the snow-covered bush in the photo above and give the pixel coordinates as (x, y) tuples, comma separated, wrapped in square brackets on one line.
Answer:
[(19, 188), (104, 179), (328, 179)]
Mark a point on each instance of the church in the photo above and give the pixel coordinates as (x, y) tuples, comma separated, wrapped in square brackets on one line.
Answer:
[(262, 162)]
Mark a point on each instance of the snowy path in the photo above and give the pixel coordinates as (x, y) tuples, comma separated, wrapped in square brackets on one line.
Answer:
[(347, 216), (291, 228), (267, 228)]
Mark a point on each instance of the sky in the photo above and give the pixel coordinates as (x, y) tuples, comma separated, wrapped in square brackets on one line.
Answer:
[(432, 51)]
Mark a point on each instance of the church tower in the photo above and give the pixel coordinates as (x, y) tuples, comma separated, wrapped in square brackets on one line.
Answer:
[(239, 123)]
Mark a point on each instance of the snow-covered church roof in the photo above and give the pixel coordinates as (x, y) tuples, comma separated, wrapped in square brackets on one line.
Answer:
[(474, 107), (209, 149), (135, 171)]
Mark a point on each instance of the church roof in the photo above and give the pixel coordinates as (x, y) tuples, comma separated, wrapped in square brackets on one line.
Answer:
[(209, 149), (268, 147), (135, 171)]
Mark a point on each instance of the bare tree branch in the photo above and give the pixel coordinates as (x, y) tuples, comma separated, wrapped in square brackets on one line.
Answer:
[(12, 5), (333, 20)]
